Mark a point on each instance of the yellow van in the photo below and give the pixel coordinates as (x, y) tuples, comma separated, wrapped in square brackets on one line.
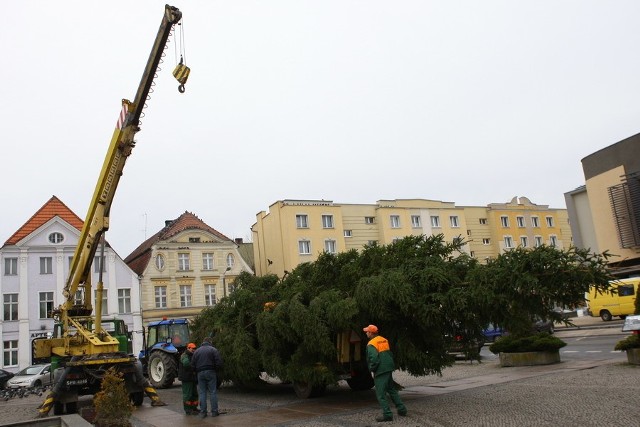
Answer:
[(606, 305)]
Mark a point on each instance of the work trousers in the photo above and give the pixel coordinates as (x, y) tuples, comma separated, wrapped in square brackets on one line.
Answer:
[(189, 397), (384, 385)]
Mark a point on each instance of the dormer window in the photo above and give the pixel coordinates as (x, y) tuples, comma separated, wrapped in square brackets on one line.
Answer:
[(56, 238)]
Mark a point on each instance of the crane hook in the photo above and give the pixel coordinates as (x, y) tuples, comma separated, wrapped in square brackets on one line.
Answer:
[(181, 89)]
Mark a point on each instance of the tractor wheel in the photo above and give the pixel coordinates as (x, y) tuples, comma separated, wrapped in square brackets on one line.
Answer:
[(163, 369)]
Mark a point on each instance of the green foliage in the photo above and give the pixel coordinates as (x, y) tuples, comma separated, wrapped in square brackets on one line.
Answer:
[(112, 403), (420, 291), (538, 342), (632, 341)]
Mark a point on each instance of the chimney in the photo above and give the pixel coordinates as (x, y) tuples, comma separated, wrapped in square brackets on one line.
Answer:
[(168, 222), (238, 240)]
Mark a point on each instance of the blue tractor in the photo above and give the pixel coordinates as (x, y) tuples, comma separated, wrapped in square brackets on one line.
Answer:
[(163, 344)]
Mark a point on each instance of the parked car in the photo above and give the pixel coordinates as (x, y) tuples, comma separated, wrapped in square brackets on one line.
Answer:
[(493, 332), (32, 376), (4, 377)]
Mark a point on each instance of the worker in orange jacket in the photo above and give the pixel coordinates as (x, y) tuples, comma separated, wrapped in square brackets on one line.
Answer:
[(380, 360)]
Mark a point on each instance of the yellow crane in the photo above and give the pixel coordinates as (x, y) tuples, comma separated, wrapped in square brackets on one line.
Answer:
[(81, 350)]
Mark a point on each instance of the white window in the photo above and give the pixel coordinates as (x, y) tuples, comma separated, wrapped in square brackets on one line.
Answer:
[(183, 262), (435, 221), (327, 221), (10, 353), (56, 237), (372, 242), (185, 296), (549, 221), (302, 221), (330, 246), (520, 221), (453, 220), (78, 299), (369, 219), (524, 241), (537, 241), (46, 265), (395, 221), (160, 262), (207, 261), (124, 301), (105, 308), (231, 261), (210, 295), (10, 266), (553, 241), (508, 242), (486, 241), (483, 221), (415, 221), (535, 222), (504, 220), (348, 233), (304, 247), (46, 304), (160, 296), (10, 307), (97, 262)]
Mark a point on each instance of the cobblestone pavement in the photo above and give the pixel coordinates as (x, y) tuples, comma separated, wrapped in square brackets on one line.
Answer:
[(600, 394)]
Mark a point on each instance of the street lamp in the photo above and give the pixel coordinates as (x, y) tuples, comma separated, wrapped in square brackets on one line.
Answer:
[(224, 282)]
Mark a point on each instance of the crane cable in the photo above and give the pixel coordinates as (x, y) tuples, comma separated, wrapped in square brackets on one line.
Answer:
[(181, 72)]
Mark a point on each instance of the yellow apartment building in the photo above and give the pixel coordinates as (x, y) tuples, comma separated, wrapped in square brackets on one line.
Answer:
[(297, 231)]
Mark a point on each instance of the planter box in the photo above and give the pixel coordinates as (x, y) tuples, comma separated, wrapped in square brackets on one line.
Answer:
[(529, 358), (633, 356)]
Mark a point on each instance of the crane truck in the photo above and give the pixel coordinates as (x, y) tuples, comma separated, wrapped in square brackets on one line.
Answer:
[(81, 349)]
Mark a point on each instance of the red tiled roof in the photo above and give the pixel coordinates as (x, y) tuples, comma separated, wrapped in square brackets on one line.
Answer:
[(139, 258), (54, 207)]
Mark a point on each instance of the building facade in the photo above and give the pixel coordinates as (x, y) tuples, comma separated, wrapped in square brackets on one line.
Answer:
[(35, 263), (605, 211), (297, 231), (185, 267)]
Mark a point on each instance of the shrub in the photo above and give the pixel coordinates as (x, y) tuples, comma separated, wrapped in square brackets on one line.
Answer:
[(113, 406), (632, 341), (537, 342)]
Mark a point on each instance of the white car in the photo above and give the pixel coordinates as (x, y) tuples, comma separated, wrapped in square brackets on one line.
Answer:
[(32, 376)]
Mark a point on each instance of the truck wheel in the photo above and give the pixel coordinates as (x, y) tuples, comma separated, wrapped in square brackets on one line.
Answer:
[(162, 369), (361, 382), (306, 390), (605, 315), (136, 398)]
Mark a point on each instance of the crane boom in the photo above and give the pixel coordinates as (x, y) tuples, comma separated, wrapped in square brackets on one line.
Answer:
[(70, 314)]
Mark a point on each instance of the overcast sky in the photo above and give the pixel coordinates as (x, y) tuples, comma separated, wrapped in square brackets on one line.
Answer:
[(472, 102)]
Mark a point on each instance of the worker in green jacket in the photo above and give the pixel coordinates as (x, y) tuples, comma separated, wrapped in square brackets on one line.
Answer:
[(380, 360)]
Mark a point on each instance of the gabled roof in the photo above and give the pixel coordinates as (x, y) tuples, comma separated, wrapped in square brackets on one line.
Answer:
[(54, 207), (139, 258)]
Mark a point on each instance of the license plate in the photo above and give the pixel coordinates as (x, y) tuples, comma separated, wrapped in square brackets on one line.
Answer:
[(82, 381)]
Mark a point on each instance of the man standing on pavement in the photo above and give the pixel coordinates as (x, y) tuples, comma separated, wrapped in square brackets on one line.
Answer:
[(206, 360), (381, 363), (187, 375)]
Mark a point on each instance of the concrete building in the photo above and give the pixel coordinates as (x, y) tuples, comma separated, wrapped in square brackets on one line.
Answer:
[(35, 263), (297, 231), (185, 267), (605, 211)]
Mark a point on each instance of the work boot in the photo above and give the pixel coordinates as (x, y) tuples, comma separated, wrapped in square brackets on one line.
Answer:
[(383, 419)]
